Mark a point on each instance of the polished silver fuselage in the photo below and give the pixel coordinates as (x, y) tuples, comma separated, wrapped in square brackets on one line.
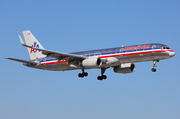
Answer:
[(111, 56)]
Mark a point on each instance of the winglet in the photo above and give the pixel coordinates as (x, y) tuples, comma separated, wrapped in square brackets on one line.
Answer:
[(21, 40)]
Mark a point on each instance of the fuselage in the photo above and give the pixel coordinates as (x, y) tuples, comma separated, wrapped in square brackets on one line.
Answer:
[(111, 56)]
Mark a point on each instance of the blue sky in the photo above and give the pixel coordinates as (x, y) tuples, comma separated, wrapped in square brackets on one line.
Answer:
[(70, 26)]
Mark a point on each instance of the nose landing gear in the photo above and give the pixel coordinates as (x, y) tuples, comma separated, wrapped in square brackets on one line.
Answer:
[(154, 65)]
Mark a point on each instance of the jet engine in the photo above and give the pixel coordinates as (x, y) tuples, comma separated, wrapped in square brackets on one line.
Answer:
[(91, 62), (124, 68)]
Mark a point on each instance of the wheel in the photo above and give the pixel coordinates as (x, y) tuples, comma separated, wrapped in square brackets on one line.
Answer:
[(80, 75), (99, 78), (153, 70), (85, 74), (104, 76)]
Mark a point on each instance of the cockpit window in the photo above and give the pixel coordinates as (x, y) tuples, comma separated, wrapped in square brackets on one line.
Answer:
[(165, 47)]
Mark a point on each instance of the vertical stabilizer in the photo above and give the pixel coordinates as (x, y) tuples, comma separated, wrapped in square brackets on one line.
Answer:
[(32, 41)]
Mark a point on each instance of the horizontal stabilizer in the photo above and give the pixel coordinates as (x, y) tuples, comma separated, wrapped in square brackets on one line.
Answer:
[(23, 61)]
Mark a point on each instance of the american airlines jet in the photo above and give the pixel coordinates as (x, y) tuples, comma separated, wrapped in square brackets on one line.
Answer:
[(121, 59)]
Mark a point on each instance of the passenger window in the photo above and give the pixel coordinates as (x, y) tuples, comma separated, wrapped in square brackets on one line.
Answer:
[(112, 52), (139, 49)]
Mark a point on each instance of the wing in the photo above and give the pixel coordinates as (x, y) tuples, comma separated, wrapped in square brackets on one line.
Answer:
[(55, 54)]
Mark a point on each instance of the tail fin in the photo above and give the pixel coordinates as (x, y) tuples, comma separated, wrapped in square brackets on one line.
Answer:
[(32, 41)]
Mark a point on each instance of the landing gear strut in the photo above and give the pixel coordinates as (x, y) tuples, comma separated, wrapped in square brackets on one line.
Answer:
[(154, 65), (102, 76), (83, 74)]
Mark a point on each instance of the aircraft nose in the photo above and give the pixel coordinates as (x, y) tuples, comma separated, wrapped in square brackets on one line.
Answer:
[(171, 54)]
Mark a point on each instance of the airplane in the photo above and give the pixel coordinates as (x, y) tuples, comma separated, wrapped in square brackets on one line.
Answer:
[(121, 59)]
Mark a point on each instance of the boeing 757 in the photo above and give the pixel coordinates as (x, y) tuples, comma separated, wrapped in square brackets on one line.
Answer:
[(121, 59)]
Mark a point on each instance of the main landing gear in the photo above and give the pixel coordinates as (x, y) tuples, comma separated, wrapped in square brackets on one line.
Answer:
[(102, 76), (83, 74), (154, 65)]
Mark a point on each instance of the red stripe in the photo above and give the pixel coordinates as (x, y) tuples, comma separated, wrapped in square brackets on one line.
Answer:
[(56, 62), (170, 50)]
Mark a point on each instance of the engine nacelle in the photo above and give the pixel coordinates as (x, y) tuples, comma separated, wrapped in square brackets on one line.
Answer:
[(91, 63), (124, 68)]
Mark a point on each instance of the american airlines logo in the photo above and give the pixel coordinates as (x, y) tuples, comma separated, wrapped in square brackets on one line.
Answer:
[(137, 47), (35, 46)]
